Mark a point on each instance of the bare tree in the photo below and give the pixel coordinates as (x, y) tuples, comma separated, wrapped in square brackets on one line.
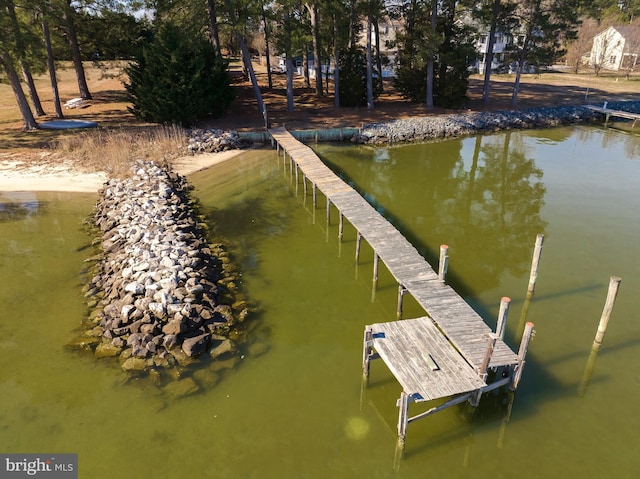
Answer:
[(579, 51), (630, 61)]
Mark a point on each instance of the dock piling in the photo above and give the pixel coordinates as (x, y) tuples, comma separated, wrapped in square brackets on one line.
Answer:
[(376, 261), (502, 316), (614, 283), (403, 416), (474, 400), (524, 346), (358, 241), (366, 350), (444, 262), (401, 291), (537, 252)]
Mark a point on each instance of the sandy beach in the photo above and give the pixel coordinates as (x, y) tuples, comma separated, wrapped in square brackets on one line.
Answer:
[(16, 175)]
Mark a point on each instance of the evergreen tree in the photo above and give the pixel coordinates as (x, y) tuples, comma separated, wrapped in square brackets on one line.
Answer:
[(178, 78), (353, 78), (449, 50)]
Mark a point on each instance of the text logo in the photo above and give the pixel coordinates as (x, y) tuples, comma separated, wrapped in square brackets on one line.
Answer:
[(46, 466)]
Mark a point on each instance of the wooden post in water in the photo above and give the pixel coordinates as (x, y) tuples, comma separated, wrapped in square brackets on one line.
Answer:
[(358, 240), (502, 316), (366, 350), (474, 400), (444, 262), (403, 417), (401, 291), (533, 276), (304, 187), (614, 284), (376, 261), (315, 196), (328, 213), (340, 225), (537, 252), (374, 286), (522, 353), (291, 164)]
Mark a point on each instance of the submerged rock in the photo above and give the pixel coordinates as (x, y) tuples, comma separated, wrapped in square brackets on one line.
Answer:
[(182, 388)]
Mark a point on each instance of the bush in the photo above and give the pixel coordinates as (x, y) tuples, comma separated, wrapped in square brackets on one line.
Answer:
[(178, 78), (353, 78)]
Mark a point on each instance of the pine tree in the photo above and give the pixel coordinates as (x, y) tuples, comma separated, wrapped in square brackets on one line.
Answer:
[(178, 78)]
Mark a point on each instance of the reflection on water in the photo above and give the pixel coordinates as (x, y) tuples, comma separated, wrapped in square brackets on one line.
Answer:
[(293, 408), (485, 203)]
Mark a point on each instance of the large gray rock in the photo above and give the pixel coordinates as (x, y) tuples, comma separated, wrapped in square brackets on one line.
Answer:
[(196, 345)]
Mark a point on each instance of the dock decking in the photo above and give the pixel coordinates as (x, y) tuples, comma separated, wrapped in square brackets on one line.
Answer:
[(443, 354)]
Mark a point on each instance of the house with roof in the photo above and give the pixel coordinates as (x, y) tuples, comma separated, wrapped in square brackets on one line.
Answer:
[(616, 48)]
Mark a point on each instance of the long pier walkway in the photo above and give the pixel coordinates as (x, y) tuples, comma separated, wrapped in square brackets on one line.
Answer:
[(446, 353)]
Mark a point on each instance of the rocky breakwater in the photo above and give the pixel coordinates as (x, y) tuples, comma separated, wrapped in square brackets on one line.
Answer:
[(437, 127), (160, 296), (213, 141)]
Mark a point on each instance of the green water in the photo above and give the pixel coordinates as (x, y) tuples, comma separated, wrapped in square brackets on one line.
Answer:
[(296, 410)]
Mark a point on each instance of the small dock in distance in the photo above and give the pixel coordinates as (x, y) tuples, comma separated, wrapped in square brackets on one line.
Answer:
[(447, 353), (609, 113)]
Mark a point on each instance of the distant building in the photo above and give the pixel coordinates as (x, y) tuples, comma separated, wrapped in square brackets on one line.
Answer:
[(616, 48), (482, 47)]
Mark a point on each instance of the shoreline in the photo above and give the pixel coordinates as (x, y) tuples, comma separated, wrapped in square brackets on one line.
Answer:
[(17, 176)]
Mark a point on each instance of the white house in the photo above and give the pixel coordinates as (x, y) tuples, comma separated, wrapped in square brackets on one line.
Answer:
[(482, 46), (616, 48)]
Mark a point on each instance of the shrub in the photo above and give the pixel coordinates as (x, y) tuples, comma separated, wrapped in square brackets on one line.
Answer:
[(178, 78), (353, 78)]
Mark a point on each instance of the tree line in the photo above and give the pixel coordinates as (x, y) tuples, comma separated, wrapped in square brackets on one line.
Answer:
[(435, 45)]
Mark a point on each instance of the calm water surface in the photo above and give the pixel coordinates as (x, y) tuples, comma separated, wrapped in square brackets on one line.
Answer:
[(296, 410)]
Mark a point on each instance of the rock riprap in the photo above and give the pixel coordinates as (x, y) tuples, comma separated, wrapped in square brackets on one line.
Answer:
[(438, 127), (159, 292), (213, 141)]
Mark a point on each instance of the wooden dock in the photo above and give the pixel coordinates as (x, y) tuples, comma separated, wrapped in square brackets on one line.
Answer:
[(608, 113), (447, 353)]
